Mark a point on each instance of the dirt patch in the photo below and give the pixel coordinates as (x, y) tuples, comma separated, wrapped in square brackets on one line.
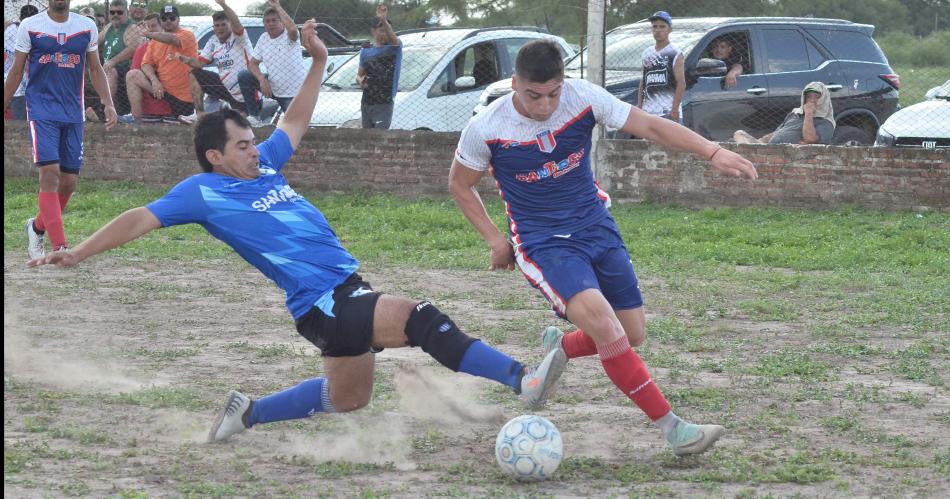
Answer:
[(113, 372)]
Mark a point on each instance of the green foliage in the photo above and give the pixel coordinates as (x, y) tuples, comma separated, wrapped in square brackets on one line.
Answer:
[(907, 50)]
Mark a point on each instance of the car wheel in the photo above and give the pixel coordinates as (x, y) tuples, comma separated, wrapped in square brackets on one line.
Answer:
[(851, 136)]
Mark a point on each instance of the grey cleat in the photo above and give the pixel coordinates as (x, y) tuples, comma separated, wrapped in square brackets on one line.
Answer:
[(688, 438), (230, 420), (538, 384)]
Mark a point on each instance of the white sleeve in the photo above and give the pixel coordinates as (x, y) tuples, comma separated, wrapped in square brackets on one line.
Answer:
[(256, 52), (93, 36), (608, 110), (207, 50), (472, 150), (23, 42)]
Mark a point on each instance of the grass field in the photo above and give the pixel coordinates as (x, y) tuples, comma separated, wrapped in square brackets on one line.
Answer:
[(916, 81), (820, 339)]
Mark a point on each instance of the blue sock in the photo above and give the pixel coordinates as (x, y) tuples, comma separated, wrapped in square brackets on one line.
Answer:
[(483, 360), (296, 402)]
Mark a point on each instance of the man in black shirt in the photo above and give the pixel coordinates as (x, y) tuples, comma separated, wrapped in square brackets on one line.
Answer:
[(379, 72)]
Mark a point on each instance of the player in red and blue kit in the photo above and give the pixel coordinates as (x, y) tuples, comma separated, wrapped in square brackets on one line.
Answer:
[(55, 47), (244, 200), (536, 143)]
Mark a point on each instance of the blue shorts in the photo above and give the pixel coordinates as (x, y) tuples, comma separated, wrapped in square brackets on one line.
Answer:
[(57, 142), (592, 258)]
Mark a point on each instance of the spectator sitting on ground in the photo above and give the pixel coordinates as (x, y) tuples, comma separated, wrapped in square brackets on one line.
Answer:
[(152, 109), (279, 49), (116, 53), (17, 109), (163, 75), (229, 49), (722, 48), (812, 123)]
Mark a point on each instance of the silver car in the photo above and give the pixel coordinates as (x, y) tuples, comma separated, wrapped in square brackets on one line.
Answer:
[(925, 124)]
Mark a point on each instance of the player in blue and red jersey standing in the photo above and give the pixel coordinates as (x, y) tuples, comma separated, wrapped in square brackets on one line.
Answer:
[(536, 142), (55, 47), (244, 200)]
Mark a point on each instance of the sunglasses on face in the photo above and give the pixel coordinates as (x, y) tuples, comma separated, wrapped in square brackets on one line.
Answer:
[(168, 18), (116, 12)]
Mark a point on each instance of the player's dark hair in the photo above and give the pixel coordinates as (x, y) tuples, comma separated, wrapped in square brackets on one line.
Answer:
[(211, 132), (219, 16), (28, 10), (270, 11), (539, 61)]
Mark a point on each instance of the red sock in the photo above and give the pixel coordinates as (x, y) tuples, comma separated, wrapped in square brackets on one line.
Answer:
[(625, 368), (63, 201), (578, 344), (52, 216)]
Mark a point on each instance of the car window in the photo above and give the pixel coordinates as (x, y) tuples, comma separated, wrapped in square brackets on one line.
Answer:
[(624, 48), (738, 43), (479, 61), (785, 51), (814, 55), (513, 45), (849, 45)]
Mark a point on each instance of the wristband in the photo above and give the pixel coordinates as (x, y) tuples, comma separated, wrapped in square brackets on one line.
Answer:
[(713, 155)]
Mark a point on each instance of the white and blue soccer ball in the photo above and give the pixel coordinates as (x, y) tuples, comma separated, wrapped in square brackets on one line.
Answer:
[(529, 448)]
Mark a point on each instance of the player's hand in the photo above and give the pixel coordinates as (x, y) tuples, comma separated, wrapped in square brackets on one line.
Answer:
[(61, 258), (502, 257), (112, 117), (312, 42), (382, 11), (265, 88), (222, 3), (734, 165), (106, 66), (809, 109), (675, 115), (158, 91), (274, 3)]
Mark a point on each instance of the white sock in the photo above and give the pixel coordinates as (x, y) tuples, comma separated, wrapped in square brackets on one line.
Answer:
[(668, 423)]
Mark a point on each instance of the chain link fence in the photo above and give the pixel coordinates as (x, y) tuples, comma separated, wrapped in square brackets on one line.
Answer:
[(732, 71)]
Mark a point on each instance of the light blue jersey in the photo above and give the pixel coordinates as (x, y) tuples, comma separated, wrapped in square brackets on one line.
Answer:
[(272, 227)]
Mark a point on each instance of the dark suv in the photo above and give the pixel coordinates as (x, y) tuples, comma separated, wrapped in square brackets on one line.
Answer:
[(781, 56)]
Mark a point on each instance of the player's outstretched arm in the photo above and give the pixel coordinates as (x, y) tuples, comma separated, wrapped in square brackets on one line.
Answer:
[(462, 182), (128, 226), (677, 137), (297, 118)]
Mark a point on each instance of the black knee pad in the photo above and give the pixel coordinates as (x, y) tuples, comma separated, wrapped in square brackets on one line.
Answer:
[(437, 335)]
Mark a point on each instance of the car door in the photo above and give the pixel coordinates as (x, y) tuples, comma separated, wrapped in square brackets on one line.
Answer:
[(451, 106), (716, 112), (791, 62)]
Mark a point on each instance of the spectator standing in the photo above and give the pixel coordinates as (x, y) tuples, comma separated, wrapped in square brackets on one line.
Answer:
[(164, 75), (279, 49), (664, 80), (18, 104), (229, 49), (721, 48), (378, 75), (54, 101), (116, 54), (812, 123), (152, 109)]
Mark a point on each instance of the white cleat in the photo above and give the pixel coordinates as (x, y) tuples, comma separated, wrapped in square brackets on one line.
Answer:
[(230, 420), (35, 248), (538, 384)]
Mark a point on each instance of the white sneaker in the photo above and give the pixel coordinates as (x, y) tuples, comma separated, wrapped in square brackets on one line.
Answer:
[(230, 420), (35, 248), (256, 122), (538, 384), (188, 119)]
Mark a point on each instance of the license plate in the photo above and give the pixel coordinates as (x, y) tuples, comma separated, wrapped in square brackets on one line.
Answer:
[(929, 144)]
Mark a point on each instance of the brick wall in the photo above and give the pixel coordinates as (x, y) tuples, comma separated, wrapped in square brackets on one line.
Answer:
[(416, 164)]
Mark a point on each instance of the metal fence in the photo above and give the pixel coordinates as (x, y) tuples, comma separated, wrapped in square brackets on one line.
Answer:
[(732, 70)]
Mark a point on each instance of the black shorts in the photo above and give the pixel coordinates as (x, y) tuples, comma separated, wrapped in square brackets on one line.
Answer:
[(350, 331)]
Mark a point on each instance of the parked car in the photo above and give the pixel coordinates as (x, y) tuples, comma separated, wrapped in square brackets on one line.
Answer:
[(443, 71), (925, 124), (784, 54), (339, 47)]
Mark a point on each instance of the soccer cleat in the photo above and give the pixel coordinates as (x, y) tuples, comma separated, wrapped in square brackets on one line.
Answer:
[(230, 420), (127, 119), (35, 248), (538, 384), (688, 438), (551, 339)]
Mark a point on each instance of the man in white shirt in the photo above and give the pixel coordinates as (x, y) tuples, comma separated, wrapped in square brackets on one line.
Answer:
[(279, 49), (18, 105), (230, 50)]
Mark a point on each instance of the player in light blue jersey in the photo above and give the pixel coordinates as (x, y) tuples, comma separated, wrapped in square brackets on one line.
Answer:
[(244, 200), (536, 143)]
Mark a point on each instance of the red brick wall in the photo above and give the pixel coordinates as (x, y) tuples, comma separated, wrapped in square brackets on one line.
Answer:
[(416, 164)]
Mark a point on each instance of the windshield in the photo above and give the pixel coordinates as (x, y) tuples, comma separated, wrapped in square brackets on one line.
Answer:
[(625, 48), (417, 63)]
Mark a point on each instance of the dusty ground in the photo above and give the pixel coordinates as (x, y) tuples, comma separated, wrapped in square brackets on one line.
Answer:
[(114, 371)]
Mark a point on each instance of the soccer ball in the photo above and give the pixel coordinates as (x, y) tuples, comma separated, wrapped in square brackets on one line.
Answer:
[(529, 448)]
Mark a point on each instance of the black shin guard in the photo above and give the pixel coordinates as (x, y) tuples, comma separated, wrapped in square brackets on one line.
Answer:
[(438, 336)]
